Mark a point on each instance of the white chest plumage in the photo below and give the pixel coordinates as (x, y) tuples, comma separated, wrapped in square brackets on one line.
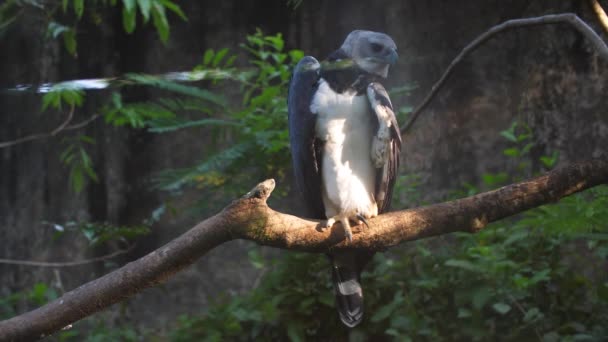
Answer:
[(344, 123)]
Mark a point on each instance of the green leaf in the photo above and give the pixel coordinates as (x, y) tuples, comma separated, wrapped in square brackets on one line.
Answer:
[(541, 276), (178, 88), (129, 5), (144, 9), (52, 99), (464, 313), (155, 128), (495, 179), (159, 19), (296, 55), (526, 149), (55, 29), (550, 161), (501, 308), (511, 152), (509, 136), (76, 179), (295, 332), (276, 41), (128, 19), (173, 7), (79, 8), (464, 264), (516, 236), (208, 56), (532, 315), (219, 56), (481, 296), (256, 258), (69, 40), (385, 311)]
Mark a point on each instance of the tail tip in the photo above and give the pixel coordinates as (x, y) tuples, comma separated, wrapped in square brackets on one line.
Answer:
[(351, 319)]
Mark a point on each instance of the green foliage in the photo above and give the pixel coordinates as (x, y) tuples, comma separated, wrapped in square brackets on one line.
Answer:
[(523, 280), (294, 300), (99, 233), (57, 96), (72, 12), (155, 9), (38, 295), (258, 123), (519, 137), (135, 115), (539, 277), (102, 333), (77, 159)]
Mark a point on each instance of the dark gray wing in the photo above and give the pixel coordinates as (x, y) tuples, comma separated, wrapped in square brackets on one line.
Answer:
[(388, 132), (305, 148)]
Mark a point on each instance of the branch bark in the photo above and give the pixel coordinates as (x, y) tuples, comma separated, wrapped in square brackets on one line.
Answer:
[(250, 218), (552, 19)]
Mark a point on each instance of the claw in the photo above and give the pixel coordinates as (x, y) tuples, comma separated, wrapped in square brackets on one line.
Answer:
[(345, 224), (362, 219), (348, 233)]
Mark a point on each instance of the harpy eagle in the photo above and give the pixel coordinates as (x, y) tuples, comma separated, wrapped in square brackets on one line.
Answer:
[(345, 145)]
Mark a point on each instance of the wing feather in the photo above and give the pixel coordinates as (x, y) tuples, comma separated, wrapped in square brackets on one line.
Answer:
[(305, 148), (387, 172)]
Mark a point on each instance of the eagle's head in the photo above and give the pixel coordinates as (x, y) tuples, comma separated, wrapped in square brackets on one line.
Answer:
[(372, 51)]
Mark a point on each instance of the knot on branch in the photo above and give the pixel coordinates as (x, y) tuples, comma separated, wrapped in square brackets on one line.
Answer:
[(262, 190), (479, 223)]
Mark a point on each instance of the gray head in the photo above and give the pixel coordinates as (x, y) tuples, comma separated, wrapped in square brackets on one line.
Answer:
[(372, 51)]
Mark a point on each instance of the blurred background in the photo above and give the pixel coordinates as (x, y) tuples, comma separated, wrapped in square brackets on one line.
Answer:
[(135, 164)]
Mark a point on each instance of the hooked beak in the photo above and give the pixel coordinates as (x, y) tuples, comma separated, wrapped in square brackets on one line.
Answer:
[(392, 57)]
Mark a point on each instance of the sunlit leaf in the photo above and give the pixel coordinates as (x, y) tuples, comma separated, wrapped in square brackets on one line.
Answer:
[(144, 8)]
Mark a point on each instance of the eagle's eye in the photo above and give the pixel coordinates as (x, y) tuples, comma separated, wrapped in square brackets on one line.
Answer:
[(376, 47)]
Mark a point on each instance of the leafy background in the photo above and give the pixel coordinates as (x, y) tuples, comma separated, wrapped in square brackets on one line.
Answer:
[(162, 154)]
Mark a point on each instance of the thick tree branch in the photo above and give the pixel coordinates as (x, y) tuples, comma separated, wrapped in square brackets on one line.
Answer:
[(250, 218), (565, 18)]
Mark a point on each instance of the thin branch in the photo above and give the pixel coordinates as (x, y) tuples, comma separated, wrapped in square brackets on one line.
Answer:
[(83, 123), (600, 13), (67, 263), (64, 126), (250, 218), (565, 18)]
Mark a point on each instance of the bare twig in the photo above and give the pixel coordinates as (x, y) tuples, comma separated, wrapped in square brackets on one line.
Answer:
[(64, 126), (83, 123), (250, 218), (600, 13), (565, 18), (67, 263), (523, 312)]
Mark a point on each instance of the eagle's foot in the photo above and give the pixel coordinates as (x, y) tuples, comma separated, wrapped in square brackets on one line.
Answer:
[(330, 222), (345, 224)]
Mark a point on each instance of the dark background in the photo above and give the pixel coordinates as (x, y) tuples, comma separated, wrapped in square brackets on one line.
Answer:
[(546, 76)]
